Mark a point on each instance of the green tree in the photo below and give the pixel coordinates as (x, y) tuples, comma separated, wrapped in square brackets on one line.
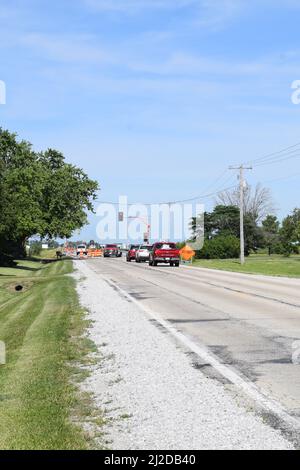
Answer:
[(35, 248), (220, 247), (22, 178), (225, 221), (270, 226), (68, 195), (290, 232), (41, 194)]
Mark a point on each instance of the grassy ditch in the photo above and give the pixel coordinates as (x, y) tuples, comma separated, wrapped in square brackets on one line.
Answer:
[(42, 327)]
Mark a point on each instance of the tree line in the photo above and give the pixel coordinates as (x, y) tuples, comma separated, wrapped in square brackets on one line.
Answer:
[(262, 229), (41, 194)]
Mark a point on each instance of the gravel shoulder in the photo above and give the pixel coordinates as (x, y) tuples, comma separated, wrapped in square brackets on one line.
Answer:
[(152, 396)]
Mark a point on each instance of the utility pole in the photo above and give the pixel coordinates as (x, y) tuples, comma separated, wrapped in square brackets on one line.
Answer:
[(145, 221), (241, 169)]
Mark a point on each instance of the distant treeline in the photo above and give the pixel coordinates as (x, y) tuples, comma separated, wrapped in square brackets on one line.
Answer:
[(222, 232)]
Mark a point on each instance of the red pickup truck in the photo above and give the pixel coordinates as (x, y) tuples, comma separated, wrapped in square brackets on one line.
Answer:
[(164, 252), (112, 250)]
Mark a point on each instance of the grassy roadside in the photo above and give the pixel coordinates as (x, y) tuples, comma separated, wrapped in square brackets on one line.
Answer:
[(274, 265), (49, 253), (42, 328)]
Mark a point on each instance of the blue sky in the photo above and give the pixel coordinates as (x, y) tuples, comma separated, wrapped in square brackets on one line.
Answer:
[(181, 88)]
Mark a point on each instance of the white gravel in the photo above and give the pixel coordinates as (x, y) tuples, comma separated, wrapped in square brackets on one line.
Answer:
[(154, 397)]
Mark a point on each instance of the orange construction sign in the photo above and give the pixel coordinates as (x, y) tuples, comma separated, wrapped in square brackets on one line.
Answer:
[(187, 253), (94, 253)]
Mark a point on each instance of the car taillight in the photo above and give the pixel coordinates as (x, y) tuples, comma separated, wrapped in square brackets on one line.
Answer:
[(156, 252)]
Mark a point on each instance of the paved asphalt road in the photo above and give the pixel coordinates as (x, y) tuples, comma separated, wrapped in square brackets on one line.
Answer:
[(250, 323)]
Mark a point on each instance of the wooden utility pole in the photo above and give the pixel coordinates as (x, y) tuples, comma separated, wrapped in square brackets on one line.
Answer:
[(241, 169)]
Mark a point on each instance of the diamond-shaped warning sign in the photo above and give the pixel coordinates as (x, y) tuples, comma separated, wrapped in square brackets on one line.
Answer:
[(187, 253)]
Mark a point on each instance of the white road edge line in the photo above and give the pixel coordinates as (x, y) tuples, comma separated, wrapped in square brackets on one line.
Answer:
[(248, 388)]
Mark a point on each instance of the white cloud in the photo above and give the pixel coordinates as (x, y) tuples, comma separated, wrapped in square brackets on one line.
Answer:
[(179, 64), (130, 6), (65, 48), (182, 64), (215, 14), (223, 6), (206, 14), (7, 12)]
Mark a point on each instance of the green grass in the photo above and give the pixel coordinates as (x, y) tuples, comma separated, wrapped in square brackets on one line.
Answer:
[(274, 265), (50, 253), (42, 327)]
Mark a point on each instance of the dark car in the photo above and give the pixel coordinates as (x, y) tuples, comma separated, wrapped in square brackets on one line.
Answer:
[(164, 252), (132, 252), (112, 250)]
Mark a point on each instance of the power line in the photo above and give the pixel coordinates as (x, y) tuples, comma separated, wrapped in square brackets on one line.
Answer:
[(281, 178), (281, 154), (278, 160), (202, 196), (273, 154), (216, 180), (287, 153)]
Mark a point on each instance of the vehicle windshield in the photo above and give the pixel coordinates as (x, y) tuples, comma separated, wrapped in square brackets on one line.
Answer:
[(145, 247), (134, 247), (166, 246), (111, 246), (81, 246)]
